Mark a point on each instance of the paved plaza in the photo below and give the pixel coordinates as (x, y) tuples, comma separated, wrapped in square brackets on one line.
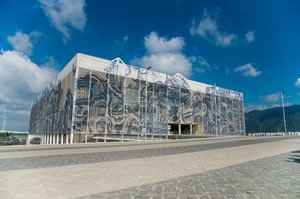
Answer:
[(233, 167)]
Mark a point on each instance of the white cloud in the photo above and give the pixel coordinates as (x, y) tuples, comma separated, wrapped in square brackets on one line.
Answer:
[(202, 64), (250, 36), (208, 28), (271, 97), (158, 45), (297, 83), (200, 70), (123, 41), (165, 55), (64, 14), (255, 107), (248, 70), (21, 79), (21, 42), (261, 107)]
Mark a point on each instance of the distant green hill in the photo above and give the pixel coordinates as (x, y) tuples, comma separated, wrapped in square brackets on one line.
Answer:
[(271, 120)]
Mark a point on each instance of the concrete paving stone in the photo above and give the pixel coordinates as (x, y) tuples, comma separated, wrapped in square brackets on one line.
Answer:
[(259, 179), (192, 172), (7, 164)]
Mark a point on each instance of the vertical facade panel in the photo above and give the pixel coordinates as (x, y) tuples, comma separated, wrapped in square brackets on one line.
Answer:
[(197, 105), (81, 101), (160, 119), (186, 106), (150, 108), (132, 118), (115, 117), (209, 114), (174, 104), (98, 101)]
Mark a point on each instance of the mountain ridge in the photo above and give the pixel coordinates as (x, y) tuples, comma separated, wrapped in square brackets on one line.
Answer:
[(271, 120)]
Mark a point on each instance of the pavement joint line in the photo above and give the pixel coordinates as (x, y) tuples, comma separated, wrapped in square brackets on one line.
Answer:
[(96, 157), (22, 148), (112, 147), (4, 149)]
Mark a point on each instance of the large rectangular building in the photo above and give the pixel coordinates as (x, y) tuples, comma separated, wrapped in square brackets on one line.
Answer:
[(93, 98)]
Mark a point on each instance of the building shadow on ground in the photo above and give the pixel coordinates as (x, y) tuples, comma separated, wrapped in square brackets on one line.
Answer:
[(294, 157)]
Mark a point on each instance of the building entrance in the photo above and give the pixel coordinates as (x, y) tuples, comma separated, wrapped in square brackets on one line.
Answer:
[(174, 128), (185, 129)]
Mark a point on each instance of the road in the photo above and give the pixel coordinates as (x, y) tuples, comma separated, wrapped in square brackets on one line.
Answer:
[(231, 167)]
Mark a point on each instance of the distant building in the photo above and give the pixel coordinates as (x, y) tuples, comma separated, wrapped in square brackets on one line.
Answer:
[(95, 97)]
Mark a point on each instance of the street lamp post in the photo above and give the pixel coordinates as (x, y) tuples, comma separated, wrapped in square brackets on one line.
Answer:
[(4, 120), (145, 126), (216, 110), (283, 112)]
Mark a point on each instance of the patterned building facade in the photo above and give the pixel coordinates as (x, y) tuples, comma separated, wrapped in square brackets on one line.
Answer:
[(97, 96)]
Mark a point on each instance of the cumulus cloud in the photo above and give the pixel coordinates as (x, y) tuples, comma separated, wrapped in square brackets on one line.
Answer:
[(64, 14), (271, 97), (158, 45), (297, 83), (165, 55), (21, 79), (248, 70), (250, 36), (208, 29), (21, 42)]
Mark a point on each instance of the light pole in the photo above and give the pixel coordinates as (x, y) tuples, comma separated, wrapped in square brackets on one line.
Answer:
[(216, 109), (283, 112), (145, 126), (4, 120)]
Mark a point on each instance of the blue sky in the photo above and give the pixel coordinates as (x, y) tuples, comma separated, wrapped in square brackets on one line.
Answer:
[(248, 46)]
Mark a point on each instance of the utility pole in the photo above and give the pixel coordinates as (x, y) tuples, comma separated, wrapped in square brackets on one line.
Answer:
[(283, 112), (4, 120)]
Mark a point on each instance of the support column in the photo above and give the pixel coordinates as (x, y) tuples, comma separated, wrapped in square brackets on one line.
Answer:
[(179, 129), (57, 138), (62, 138), (67, 138), (85, 140), (71, 138), (51, 136), (191, 129)]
